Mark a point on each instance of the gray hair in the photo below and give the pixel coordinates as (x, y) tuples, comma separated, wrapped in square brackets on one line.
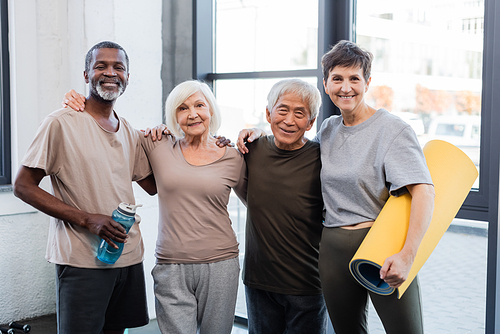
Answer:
[(181, 93), (103, 45), (308, 92), (347, 54)]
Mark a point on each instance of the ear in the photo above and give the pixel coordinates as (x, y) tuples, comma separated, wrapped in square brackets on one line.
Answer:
[(86, 76), (310, 125), (325, 86), (268, 116), (368, 84)]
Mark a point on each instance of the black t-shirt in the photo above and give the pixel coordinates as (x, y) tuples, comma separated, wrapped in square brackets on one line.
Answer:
[(284, 218)]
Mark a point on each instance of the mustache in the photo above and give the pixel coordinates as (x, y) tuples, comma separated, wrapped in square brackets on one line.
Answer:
[(110, 80)]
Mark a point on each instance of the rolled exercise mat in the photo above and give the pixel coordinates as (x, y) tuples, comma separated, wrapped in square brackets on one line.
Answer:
[(453, 174)]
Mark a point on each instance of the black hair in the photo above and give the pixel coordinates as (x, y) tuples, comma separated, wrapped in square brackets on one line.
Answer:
[(104, 45)]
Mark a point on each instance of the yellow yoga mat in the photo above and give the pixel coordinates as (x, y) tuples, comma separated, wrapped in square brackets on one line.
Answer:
[(453, 174)]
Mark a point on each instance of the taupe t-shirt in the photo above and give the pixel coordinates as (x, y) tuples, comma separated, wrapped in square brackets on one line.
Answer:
[(194, 224), (91, 169)]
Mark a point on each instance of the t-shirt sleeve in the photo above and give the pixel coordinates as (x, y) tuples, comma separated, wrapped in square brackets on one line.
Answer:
[(325, 126), (142, 167), (317, 137), (44, 150), (241, 187), (405, 163)]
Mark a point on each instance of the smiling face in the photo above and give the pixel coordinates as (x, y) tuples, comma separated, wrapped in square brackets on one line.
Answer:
[(108, 74), (346, 87), (193, 116), (290, 119)]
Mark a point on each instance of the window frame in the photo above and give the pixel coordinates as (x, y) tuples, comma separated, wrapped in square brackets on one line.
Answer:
[(336, 22), (490, 157), (204, 53), (5, 146)]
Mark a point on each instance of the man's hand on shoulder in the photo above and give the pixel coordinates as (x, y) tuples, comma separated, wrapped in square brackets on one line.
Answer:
[(223, 141), (248, 135)]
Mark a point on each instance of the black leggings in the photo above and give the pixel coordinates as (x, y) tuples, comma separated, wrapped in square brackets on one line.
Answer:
[(347, 300)]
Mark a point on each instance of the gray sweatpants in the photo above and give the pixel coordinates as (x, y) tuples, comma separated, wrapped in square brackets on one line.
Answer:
[(191, 297)]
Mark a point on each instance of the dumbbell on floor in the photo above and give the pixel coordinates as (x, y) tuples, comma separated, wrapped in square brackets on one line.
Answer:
[(7, 330), (25, 328)]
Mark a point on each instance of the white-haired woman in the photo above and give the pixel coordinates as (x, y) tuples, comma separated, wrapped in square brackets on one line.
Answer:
[(197, 267), (196, 275)]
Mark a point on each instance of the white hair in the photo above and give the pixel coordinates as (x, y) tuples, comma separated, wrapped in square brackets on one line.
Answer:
[(179, 95), (309, 93)]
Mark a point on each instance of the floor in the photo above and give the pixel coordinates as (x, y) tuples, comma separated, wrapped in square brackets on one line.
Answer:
[(152, 328), (47, 325), (453, 283)]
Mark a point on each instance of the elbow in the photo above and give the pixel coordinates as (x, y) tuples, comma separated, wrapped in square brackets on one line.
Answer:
[(26, 183), (19, 189), (151, 188), (431, 193), (428, 196), (152, 192)]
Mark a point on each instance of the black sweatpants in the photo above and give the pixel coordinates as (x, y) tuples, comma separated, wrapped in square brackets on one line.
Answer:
[(347, 300)]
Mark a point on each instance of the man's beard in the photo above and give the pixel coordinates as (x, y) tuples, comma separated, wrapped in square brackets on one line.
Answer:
[(109, 95)]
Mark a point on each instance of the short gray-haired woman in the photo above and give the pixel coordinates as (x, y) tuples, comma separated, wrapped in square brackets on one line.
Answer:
[(367, 155)]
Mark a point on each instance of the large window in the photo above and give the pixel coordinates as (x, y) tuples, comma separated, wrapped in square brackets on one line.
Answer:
[(427, 69), (5, 163), (427, 66), (436, 66), (247, 62)]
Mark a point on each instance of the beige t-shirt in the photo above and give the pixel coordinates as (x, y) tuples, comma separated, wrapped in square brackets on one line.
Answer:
[(194, 224), (91, 169)]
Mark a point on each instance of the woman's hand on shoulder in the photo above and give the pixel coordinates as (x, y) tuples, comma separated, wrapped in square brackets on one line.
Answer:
[(74, 100), (157, 132)]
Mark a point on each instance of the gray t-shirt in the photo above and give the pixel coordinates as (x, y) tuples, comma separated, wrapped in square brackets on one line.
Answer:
[(363, 164)]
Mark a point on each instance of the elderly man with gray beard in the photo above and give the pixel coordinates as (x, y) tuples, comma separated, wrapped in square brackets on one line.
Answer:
[(92, 157)]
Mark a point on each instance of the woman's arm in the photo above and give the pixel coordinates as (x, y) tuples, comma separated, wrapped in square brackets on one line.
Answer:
[(397, 267), (74, 100)]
